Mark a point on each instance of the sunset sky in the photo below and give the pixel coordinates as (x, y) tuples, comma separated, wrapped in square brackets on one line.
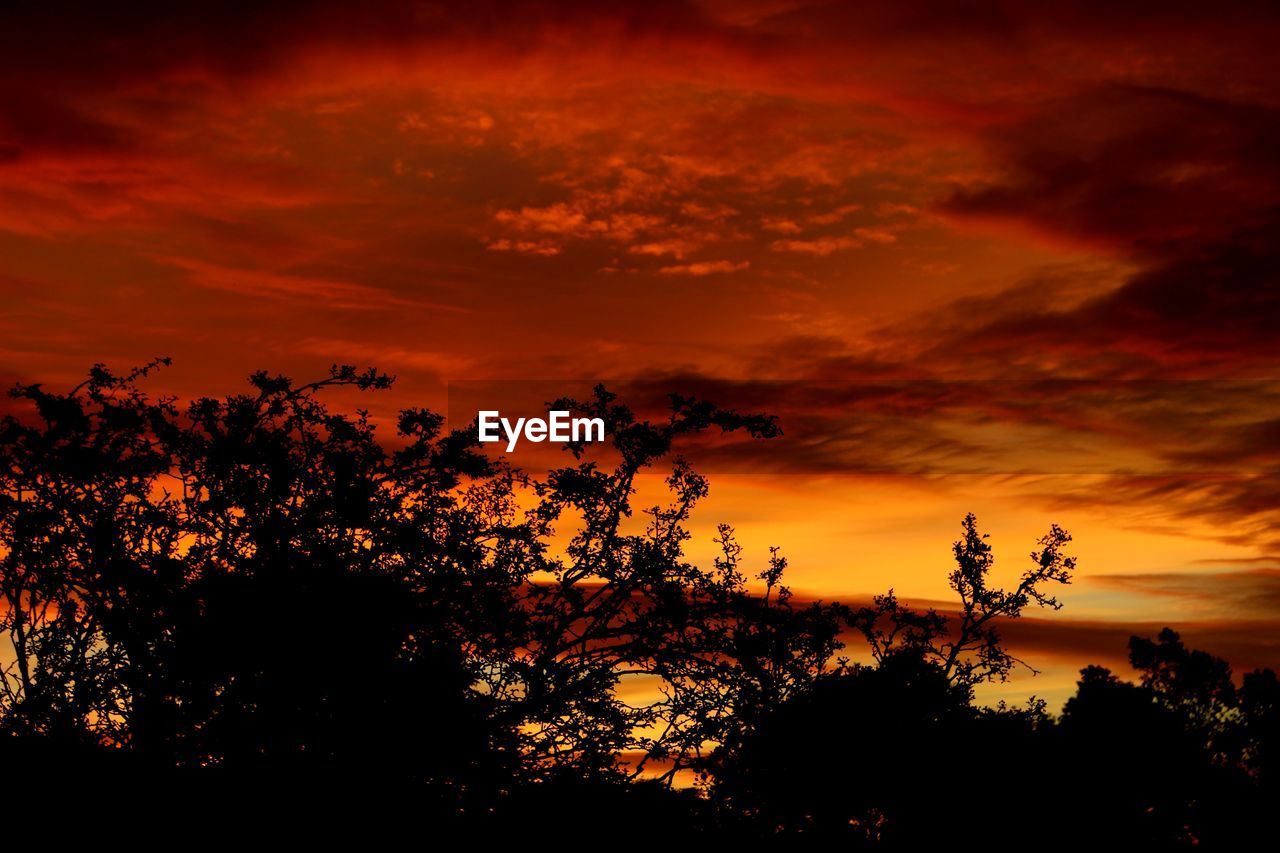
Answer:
[(1014, 258)]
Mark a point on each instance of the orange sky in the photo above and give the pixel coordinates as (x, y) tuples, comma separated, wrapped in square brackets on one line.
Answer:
[(852, 198)]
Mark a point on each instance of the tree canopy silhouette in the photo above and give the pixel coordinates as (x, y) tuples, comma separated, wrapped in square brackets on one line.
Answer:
[(896, 754), (259, 584), (259, 598)]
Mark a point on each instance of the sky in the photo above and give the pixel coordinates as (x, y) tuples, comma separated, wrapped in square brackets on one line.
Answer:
[(1017, 259)]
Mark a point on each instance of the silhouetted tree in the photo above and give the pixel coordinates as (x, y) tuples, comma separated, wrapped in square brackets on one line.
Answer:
[(257, 606), (77, 510), (262, 588), (1169, 761), (895, 754), (252, 585), (846, 757), (1259, 697), (1127, 765), (968, 649), (623, 605)]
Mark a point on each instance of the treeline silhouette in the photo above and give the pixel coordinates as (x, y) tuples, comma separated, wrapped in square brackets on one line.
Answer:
[(253, 611)]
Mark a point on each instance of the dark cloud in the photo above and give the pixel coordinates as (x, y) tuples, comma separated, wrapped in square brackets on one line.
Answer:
[(1147, 170), (1185, 186), (1252, 594), (1207, 311), (1132, 429), (59, 58), (30, 123), (1241, 510), (97, 44)]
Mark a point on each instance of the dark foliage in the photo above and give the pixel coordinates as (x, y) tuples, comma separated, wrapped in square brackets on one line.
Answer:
[(896, 755), (258, 592), (258, 610)]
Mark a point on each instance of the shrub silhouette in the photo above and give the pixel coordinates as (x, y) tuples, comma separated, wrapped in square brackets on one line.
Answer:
[(896, 755), (257, 608), (261, 588)]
